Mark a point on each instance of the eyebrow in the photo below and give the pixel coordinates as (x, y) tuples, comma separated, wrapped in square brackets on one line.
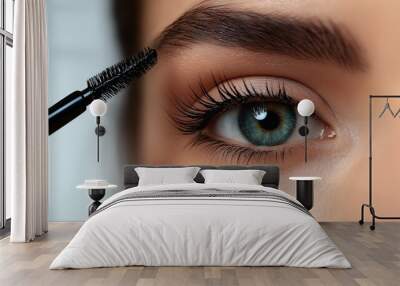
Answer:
[(306, 39)]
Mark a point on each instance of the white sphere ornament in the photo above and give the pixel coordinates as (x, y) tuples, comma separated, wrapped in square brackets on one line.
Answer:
[(306, 107), (98, 107)]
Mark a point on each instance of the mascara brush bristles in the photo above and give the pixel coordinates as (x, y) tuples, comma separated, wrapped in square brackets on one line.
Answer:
[(116, 77)]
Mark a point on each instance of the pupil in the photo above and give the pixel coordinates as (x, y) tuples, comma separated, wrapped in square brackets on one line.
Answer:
[(271, 121)]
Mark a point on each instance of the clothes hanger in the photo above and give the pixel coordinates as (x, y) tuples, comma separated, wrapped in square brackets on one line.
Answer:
[(387, 107)]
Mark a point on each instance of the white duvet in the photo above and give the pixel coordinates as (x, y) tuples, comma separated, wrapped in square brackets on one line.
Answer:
[(200, 231)]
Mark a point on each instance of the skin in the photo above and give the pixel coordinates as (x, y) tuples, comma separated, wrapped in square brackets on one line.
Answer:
[(341, 161)]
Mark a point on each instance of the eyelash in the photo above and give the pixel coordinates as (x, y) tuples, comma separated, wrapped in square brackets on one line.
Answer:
[(192, 119), (237, 153)]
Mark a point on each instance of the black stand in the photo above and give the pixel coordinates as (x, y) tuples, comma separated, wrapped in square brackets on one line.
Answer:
[(303, 131), (370, 205), (305, 193), (96, 195), (100, 131)]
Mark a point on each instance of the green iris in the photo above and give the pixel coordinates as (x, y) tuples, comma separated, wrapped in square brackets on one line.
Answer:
[(267, 124)]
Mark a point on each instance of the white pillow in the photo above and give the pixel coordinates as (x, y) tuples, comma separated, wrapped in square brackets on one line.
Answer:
[(247, 177), (163, 176)]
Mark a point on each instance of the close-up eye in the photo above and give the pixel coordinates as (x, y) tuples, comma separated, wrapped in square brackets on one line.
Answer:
[(253, 114)]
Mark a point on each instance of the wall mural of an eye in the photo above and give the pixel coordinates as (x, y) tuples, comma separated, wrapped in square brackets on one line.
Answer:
[(249, 117)]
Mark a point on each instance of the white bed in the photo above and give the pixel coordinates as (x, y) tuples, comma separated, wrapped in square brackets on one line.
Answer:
[(206, 230)]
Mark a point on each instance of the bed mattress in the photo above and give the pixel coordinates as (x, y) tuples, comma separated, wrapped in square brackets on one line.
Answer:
[(201, 225)]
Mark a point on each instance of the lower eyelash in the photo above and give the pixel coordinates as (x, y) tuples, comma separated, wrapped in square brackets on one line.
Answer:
[(191, 119), (237, 154)]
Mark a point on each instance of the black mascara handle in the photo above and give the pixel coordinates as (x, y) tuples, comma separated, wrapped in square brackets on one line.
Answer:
[(69, 110), (70, 97)]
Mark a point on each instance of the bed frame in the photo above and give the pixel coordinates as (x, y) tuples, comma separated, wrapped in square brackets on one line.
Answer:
[(271, 178)]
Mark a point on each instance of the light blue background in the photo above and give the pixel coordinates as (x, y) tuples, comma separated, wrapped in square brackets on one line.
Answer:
[(82, 42)]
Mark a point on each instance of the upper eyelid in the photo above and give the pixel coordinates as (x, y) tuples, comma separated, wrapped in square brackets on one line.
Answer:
[(223, 85), (318, 96), (192, 118)]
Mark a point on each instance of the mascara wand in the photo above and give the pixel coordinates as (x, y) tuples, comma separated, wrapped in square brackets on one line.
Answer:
[(103, 86)]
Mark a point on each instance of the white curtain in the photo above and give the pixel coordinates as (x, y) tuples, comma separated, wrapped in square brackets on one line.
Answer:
[(26, 123)]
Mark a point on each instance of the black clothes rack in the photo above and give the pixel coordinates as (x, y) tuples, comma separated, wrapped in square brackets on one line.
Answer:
[(370, 203)]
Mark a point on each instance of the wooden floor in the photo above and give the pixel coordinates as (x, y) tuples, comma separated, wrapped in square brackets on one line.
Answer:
[(375, 257)]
